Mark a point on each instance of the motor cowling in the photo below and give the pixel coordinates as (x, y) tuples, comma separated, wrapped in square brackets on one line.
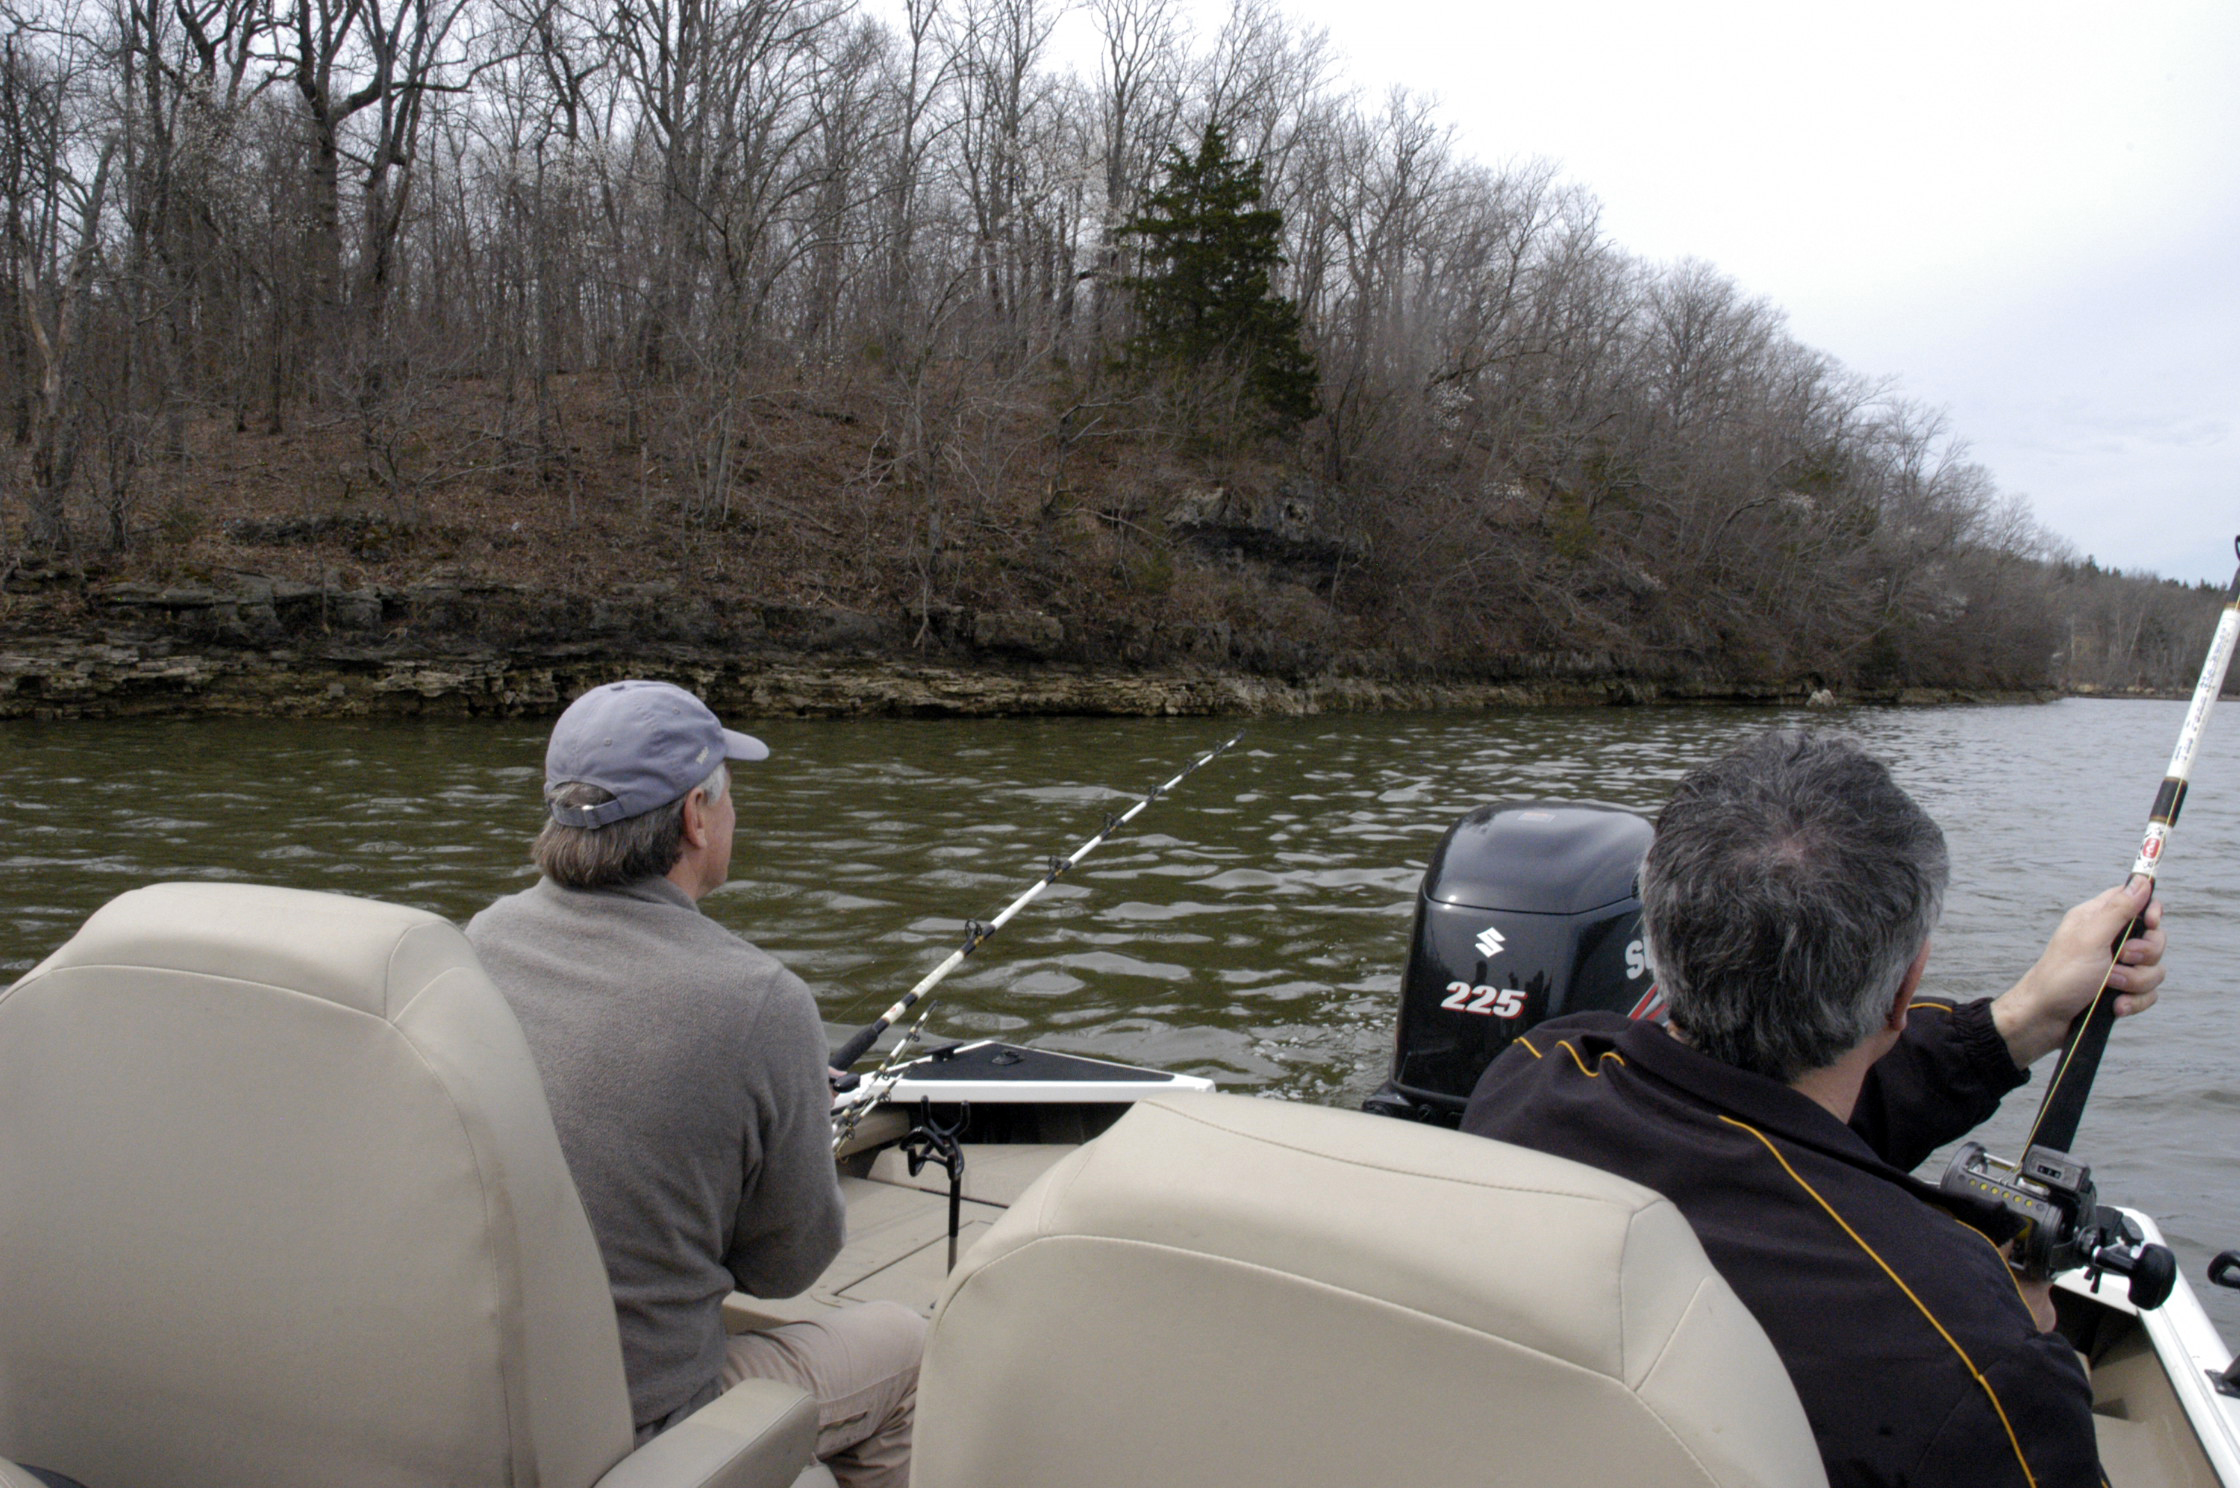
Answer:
[(1527, 910)]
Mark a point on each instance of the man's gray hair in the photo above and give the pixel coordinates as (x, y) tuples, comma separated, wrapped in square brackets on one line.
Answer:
[(1788, 890), (621, 852)]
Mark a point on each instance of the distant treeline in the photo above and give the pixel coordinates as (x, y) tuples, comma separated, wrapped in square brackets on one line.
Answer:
[(2131, 631), (562, 260)]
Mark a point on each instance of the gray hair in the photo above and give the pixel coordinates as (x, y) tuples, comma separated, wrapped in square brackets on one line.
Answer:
[(621, 852), (1788, 890)]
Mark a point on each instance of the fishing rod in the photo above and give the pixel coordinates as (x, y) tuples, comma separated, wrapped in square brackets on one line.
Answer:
[(869, 1091), (2065, 1225), (2063, 1106)]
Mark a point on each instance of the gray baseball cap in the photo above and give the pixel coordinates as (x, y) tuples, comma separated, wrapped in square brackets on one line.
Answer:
[(647, 743)]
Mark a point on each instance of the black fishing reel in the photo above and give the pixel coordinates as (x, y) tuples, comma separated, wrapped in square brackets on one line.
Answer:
[(2065, 1226)]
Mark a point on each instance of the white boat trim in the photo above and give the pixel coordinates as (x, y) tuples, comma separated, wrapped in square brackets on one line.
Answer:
[(1124, 1084), (2191, 1351), (1040, 1092)]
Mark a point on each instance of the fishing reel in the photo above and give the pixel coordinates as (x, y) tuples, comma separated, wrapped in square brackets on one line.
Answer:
[(2065, 1226)]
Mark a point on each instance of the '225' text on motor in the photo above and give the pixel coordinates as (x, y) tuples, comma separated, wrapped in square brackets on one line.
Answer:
[(1492, 1002)]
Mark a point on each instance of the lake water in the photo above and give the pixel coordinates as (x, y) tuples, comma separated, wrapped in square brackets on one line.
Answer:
[(1249, 927)]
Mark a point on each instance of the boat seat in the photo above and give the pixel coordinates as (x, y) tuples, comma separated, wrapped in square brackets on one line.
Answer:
[(13, 1476), (1223, 1292), (281, 1202)]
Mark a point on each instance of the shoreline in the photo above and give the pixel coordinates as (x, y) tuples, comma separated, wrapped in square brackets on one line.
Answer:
[(134, 677)]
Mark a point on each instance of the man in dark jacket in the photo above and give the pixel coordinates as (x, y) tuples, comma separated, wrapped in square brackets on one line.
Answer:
[(1787, 903)]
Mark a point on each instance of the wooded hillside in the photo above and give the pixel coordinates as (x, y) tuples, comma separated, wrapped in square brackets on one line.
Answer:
[(770, 298)]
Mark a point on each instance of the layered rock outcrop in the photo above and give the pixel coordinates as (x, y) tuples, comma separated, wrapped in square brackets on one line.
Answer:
[(451, 645)]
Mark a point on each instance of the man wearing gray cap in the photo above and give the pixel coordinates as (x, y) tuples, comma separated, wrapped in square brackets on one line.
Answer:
[(686, 1071)]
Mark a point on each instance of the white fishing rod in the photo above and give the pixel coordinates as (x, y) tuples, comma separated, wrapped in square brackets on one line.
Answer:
[(862, 1096), (2063, 1107)]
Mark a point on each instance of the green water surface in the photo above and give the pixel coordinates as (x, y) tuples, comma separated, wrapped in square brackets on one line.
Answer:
[(1250, 927)]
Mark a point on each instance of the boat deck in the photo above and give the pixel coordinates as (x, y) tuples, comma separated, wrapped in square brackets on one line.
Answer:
[(1027, 1108), (898, 1230)]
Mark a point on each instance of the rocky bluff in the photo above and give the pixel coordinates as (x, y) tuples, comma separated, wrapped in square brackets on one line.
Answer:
[(454, 643)]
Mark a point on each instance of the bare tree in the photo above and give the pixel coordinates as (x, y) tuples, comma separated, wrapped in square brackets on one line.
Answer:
[(56, 153), (1141, 83)]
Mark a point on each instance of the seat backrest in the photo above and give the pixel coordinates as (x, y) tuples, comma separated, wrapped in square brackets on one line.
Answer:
[(281, 1202), (12, 1476), (1233, 1292)]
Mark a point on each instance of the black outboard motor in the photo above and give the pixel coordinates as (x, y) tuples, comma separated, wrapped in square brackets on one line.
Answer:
[(1527, 911)]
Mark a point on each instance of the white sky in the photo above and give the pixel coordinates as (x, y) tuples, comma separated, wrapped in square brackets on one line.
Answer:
[(2027, 211)]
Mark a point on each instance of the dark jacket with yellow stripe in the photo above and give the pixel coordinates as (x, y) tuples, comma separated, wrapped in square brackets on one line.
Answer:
[(1911, 1347)]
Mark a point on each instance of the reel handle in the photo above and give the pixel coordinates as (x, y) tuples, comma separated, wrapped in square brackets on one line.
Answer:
[(2151, 1269), (2224, 1271)]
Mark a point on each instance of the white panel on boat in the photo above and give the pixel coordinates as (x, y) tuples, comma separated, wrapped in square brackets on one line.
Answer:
[(1008, 1074)]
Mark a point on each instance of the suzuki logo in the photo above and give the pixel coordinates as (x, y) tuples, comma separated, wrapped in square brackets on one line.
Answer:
[(1490, 942)]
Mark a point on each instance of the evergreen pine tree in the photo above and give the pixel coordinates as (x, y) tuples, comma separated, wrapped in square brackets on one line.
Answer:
[(1206, 298)]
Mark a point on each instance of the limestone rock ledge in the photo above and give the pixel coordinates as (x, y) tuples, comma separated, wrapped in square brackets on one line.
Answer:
[(122, 677)]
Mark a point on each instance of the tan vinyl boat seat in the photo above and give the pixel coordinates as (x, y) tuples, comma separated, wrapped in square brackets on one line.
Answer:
[(281, 1203), (1232, 1293)]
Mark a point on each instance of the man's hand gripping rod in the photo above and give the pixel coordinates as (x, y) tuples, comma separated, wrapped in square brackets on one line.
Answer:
[(870, 1091), (2064, 1223)]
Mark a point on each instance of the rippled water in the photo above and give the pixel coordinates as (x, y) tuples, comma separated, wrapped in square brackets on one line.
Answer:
[(1250, 927)]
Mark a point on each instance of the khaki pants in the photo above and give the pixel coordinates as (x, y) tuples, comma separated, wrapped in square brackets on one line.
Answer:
[(861, 1363)]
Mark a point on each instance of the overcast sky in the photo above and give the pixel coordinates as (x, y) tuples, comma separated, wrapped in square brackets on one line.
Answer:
[(2027, 213)]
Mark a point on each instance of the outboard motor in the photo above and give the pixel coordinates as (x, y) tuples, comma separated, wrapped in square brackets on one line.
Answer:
[(1527, 911)]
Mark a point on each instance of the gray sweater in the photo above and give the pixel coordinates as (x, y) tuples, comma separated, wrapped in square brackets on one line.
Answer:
[(686, 1074)]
